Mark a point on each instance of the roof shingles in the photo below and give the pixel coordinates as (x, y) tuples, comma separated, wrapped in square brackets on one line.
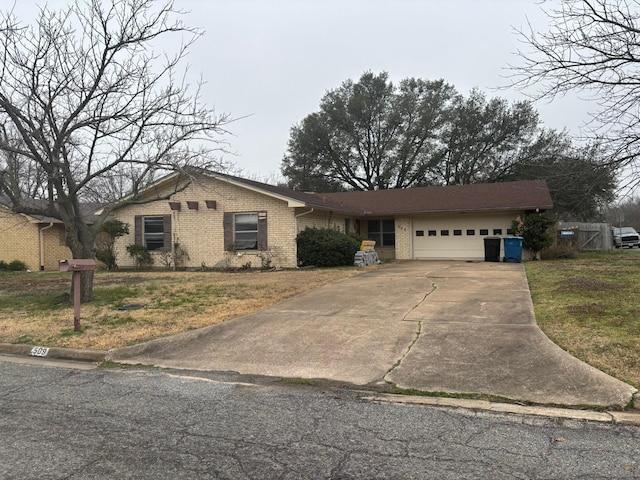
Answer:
[(506, 196), (523, 195)]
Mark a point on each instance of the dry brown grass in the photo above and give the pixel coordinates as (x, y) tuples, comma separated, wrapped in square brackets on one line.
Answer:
[(34, 307)]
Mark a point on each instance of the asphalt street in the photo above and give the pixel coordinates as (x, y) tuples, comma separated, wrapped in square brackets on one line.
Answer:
[(64, 423)]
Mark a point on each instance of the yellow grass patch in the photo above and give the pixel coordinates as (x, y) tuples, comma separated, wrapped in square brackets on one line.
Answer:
[(34, 310)]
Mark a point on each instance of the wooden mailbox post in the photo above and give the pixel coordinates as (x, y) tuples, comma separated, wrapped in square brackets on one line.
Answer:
[(77, 266)]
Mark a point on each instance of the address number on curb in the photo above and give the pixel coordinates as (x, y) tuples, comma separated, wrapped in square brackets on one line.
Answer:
[(39, 351)]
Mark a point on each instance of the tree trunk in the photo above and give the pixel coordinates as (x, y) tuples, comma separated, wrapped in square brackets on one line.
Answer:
[(86, 287), (78, 250)]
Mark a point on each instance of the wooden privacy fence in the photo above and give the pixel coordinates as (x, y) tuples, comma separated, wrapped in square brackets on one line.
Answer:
[(594, 237)]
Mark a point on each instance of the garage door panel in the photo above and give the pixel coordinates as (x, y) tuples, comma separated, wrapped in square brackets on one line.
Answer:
[(452, 246)]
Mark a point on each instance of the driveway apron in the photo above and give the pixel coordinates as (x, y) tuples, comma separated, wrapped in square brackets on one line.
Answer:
[(479, 335), (462, 327)]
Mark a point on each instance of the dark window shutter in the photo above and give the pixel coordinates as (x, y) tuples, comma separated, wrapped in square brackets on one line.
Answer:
[(138, 230), (166, 230), (262, 230), (228, 230)]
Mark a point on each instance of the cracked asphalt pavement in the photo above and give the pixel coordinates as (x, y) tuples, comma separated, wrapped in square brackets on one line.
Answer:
[(60, 423)]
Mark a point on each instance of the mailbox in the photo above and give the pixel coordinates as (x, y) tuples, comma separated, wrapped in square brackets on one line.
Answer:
[(77, 265)]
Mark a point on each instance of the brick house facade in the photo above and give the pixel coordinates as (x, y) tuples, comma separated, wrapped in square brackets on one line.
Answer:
[(219, 220), (38, 242)]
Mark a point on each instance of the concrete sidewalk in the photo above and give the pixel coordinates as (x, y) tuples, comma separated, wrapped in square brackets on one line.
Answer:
[(434, 326)]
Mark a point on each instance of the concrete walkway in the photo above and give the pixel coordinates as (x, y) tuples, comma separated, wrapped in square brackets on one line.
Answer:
[(434, 326)]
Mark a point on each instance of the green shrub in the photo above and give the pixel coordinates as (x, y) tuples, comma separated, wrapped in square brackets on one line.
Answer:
[(324, 247), (3, 266), (17, 266), (112, 230), (107, 257), (140, 255)]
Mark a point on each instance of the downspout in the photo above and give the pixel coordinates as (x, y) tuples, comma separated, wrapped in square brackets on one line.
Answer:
[(295, 232), (42, 245)]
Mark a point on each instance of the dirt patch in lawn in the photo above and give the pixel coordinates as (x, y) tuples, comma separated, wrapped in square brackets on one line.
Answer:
[(132, 307)]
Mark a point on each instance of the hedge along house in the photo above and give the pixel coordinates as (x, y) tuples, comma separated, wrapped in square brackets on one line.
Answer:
[(219, 220), (38, 241)]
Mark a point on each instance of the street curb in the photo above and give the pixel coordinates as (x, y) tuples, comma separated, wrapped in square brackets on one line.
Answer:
[(618, 418), (631, 417), (55, 352)]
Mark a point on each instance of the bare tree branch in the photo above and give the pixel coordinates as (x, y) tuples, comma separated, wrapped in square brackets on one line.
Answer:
[(95, 109), (592, 48)]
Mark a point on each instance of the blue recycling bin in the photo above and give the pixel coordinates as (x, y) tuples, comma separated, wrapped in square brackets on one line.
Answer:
[(513, 249)]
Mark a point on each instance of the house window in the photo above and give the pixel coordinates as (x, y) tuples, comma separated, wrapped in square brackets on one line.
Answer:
[(471, 232), (484, 231), (444, 233), (245, 231), (497, 231), (432, 233), (419, 233), (457, 233), (509, 231), (153, 231), (382, 231)]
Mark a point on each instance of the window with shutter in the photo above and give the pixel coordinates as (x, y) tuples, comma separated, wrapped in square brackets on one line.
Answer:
[(245, 230), (153, 231)]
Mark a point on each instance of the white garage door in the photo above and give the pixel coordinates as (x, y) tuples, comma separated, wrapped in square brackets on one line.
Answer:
[(458, 236)]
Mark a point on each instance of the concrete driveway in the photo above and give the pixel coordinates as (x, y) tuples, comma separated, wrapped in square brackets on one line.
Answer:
[(465, 327)]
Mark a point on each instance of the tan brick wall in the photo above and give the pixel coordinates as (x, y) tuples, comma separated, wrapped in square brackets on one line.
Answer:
[(201, 231), (319, 219), (403, 238), (55, 248), (20, 240)]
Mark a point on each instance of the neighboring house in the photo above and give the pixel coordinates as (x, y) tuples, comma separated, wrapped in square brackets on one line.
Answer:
[(38, 241), (222, 220)]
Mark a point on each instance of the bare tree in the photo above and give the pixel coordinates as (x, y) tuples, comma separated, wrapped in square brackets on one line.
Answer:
[(88, 103), (592, 48)]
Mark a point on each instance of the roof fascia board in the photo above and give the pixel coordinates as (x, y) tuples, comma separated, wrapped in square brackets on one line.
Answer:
[(156, 185), (291, 202)]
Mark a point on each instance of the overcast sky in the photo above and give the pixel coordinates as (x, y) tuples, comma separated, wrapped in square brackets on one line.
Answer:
[(275, 59), (271, 61)]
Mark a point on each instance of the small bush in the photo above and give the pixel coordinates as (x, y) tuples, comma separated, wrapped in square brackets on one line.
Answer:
[(140, 255), (107, 257), (324, 247), (3, 266), (17, 266)]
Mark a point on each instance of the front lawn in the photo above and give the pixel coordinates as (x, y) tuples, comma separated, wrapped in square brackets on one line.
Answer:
[(35, 307), (590, 306)]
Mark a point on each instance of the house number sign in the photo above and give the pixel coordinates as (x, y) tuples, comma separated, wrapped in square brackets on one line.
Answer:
[(39, 351)]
